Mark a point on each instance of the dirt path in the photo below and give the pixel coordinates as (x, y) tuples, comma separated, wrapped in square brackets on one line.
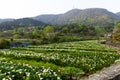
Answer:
[(109, 73)]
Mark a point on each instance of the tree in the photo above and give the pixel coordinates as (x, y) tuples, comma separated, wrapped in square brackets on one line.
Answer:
[(116, 33), (16, 36), (4, 44), (117, 28), (65, 29), (35, 33), (48, 33), (99, 31)]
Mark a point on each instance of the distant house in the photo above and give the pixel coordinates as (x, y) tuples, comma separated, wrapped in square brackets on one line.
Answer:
[(19, 44), (108, 35)]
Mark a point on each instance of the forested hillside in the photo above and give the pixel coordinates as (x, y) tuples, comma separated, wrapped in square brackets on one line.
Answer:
[(118, 13), (24, 22), (91, 16), (5, 20)]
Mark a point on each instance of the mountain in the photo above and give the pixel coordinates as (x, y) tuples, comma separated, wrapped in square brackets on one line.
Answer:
[(24, 22), (118, 13), (97, 16), (90, 16), (47, 18), (5, 20)]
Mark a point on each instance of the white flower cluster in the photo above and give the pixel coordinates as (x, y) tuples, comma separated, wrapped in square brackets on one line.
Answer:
[(13, 71)]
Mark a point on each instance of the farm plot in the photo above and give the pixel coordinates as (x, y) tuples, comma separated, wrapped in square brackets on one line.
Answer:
[(67, 60)]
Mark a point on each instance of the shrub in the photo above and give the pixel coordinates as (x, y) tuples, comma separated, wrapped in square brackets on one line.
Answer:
[(4, 44), (35, 42)]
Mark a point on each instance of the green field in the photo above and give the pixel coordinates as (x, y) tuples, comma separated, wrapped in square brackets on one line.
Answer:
[(58, 61)]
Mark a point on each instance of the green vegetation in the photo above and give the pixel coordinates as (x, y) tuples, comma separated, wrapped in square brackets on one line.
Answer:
[(4, 44), (61, 61), (24, 22), (49, 59), (51, 34), (73, 25), (91, 16), (116, 33)]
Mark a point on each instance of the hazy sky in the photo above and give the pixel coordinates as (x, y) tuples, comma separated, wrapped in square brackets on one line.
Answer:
[(30, 8)]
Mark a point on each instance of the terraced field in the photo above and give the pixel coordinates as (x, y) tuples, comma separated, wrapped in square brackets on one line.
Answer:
[(61, 61)]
